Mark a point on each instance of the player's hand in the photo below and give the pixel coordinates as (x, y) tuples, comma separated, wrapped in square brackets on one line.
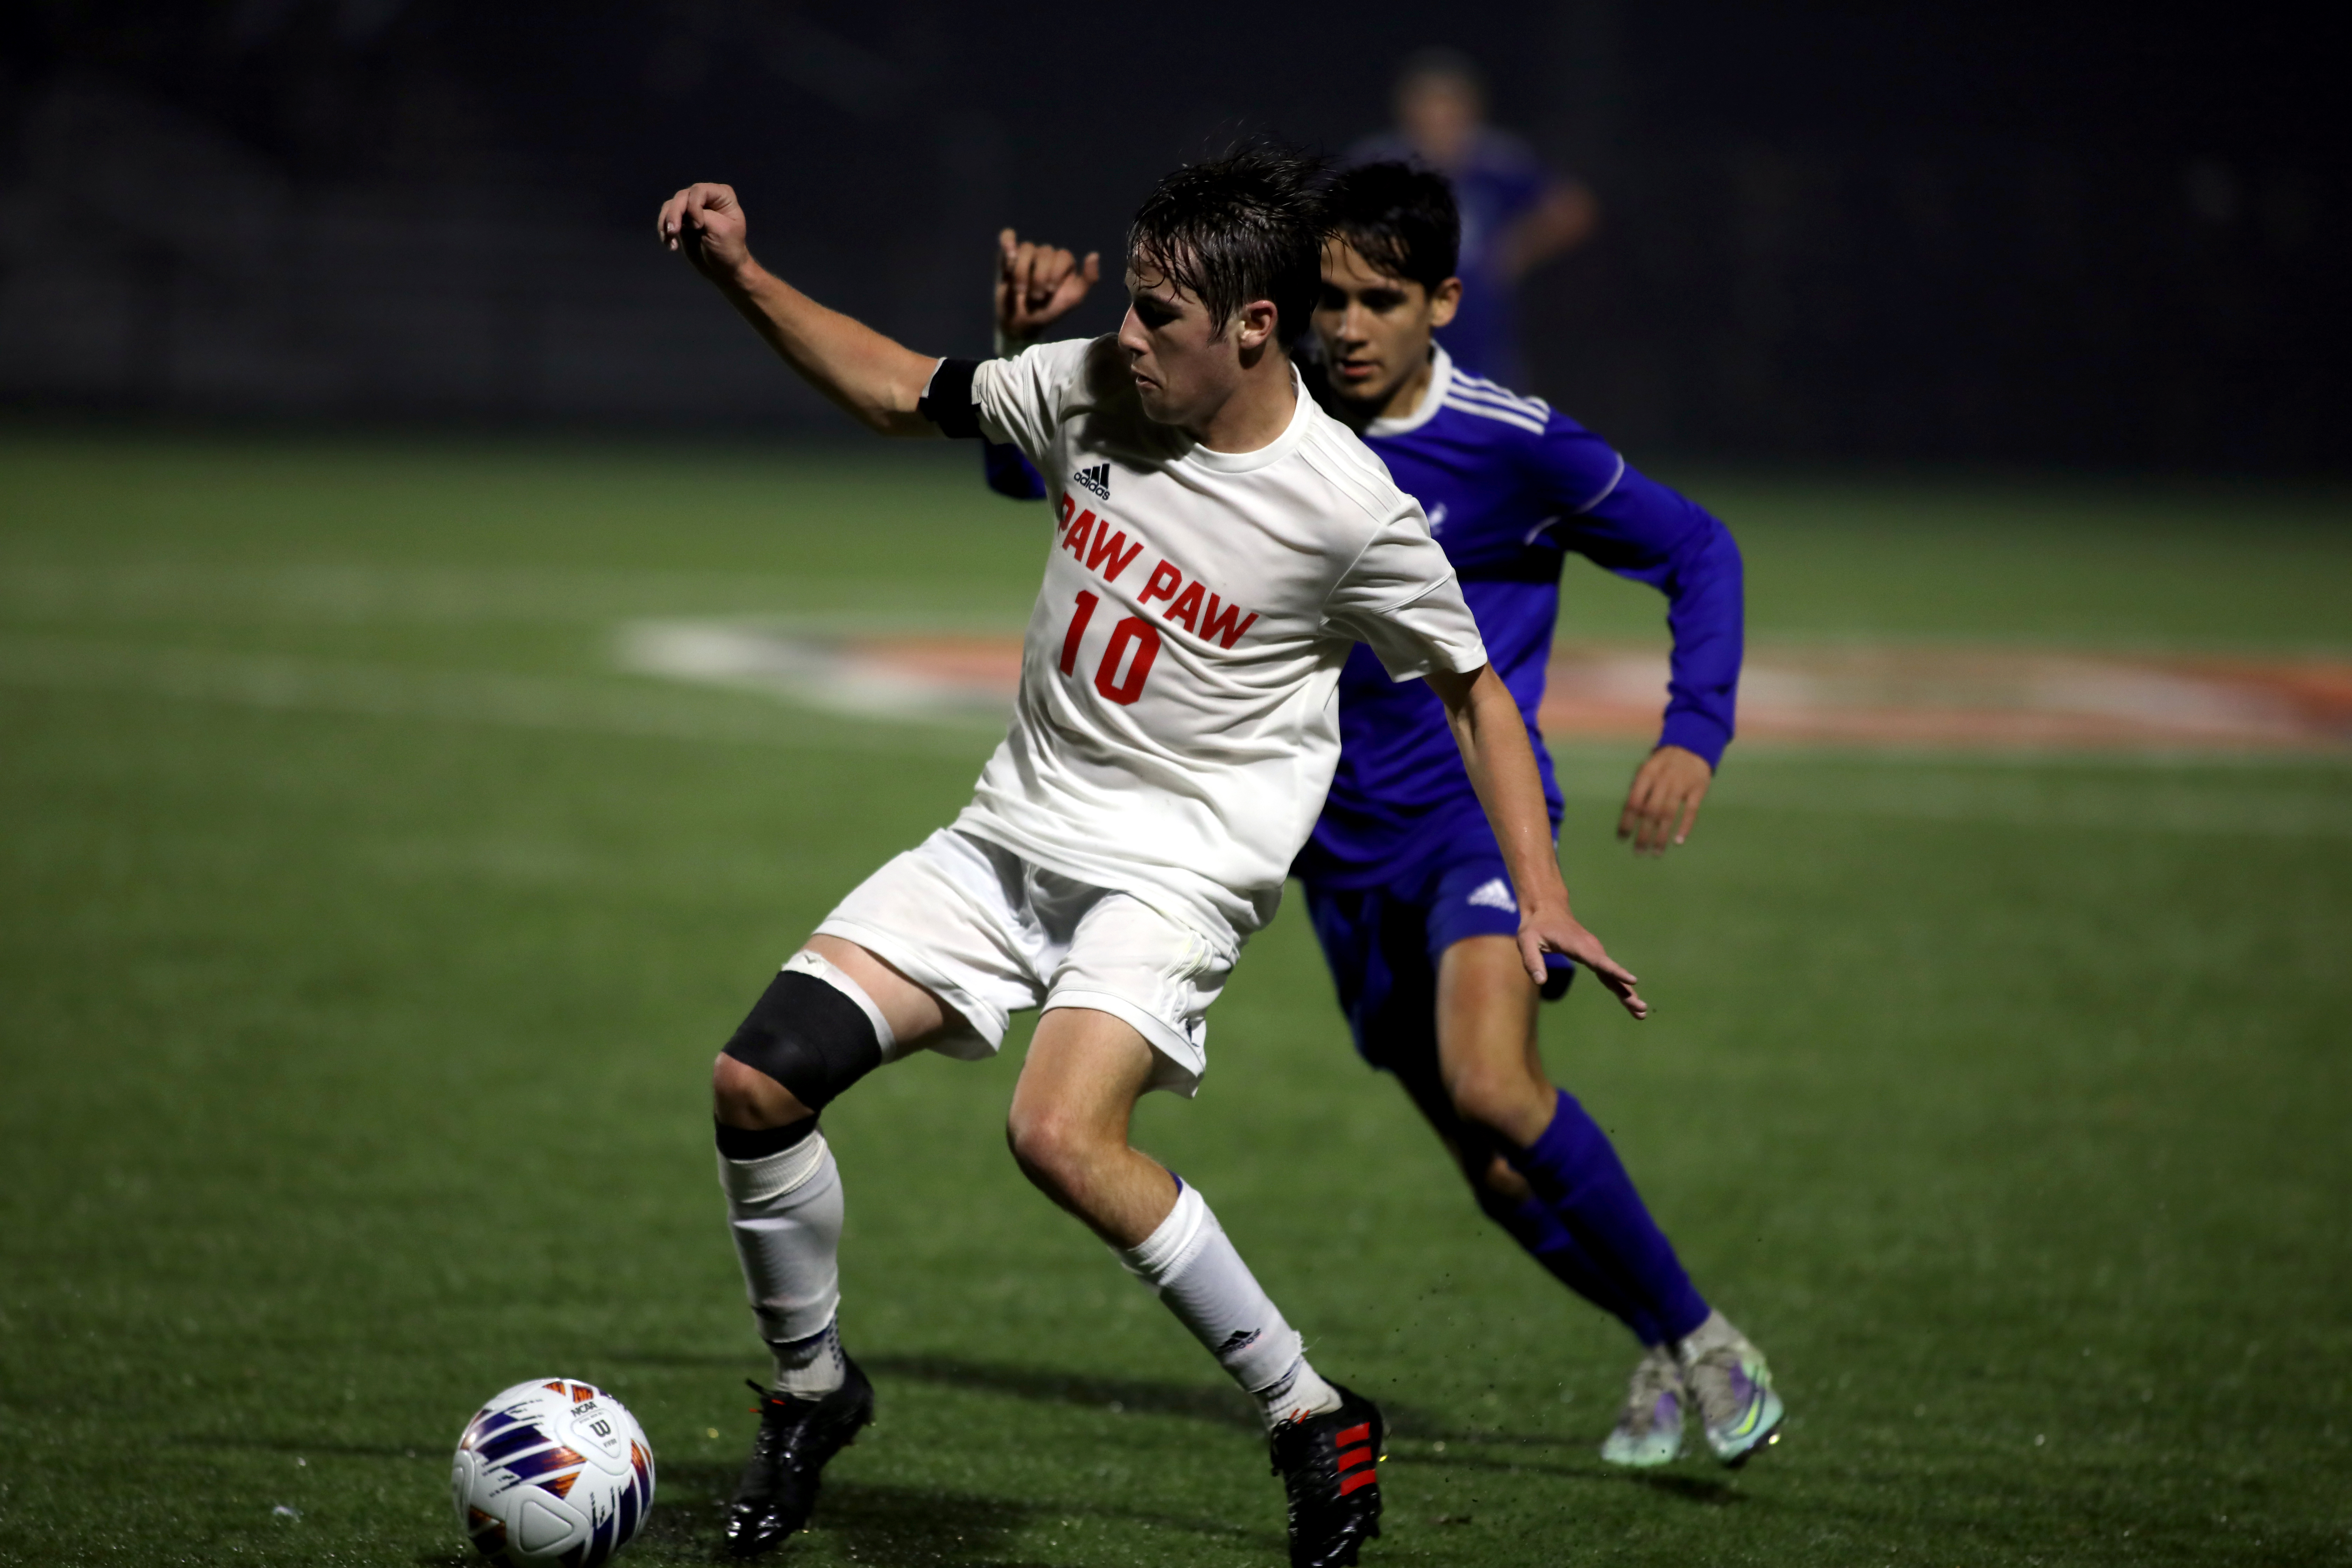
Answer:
[(1557, 930), (1663, 801), (1037, 285), (706, 222)]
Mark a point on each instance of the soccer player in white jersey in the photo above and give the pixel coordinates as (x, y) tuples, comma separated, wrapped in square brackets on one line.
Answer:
[(1221, 544)]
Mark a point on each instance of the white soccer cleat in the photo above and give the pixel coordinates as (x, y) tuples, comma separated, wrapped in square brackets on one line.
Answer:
[(1727, 1377), (1649, 1430)]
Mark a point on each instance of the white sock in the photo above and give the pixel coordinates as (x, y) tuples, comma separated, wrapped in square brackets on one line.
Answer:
[(811, 1368), (1192, 1267), (784, 1210), (1712, 1335)]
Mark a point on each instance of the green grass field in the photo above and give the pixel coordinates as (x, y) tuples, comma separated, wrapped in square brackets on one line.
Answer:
[(364, 939)]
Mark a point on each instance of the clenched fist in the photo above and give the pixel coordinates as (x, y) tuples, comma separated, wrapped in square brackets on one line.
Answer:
[(706, 222), (1037, 285)]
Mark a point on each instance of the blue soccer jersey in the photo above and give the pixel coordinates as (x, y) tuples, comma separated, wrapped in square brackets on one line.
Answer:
[(1511, 486)]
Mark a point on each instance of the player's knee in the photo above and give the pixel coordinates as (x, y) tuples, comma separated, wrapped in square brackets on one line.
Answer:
[(1054, 1149), (741, 1095), (1502, 1101), (804, 1042)]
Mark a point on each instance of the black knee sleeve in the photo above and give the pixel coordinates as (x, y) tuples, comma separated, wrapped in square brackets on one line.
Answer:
[(809, 1038)]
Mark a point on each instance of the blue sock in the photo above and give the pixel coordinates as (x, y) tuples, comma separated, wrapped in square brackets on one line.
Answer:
[(1582, 1187), (1537, 1230)]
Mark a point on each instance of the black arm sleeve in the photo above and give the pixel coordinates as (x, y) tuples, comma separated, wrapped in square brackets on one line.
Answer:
[(947, 402)]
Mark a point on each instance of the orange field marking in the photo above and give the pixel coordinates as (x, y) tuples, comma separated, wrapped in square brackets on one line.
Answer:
[(1863, 694), (1976, 696)]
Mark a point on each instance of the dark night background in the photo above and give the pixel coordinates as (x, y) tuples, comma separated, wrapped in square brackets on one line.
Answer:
[(1998, 233)]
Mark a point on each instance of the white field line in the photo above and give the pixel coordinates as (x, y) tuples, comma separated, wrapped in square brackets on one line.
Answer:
[(279, 682), (794, 662)]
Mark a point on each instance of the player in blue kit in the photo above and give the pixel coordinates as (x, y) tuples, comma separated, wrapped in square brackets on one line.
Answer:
[(1408, 894)]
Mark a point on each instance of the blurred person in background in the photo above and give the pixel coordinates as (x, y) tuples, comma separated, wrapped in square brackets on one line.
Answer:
[(1516, 214)]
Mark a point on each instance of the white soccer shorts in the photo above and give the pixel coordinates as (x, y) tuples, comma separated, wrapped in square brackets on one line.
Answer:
[(991, 935)]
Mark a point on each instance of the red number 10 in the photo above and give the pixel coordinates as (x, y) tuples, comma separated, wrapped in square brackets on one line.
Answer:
[(1132, 629)]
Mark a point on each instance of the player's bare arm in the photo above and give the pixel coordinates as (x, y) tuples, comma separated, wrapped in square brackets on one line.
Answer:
[(1502, 766), (1663, 801), (1037, 285), (875, 381)]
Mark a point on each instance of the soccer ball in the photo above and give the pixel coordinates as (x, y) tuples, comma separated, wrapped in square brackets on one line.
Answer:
[(552, 1471)]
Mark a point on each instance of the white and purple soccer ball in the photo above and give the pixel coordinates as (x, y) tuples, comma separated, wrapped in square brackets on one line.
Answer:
[(552, 1471)]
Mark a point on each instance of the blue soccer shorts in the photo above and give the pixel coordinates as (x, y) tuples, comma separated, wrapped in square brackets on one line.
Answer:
[(1383, 942)]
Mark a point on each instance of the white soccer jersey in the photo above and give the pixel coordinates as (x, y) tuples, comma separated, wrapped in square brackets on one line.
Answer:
[(1177, 724)]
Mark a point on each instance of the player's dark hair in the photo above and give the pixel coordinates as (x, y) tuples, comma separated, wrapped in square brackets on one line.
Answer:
[(1242, 227), (1401, 219)]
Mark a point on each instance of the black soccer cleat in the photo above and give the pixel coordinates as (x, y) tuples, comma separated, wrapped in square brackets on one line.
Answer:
[(1329, 1466), (796, 1437)]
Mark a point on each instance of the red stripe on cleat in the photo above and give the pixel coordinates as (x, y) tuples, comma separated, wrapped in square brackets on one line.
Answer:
[(1362, 1432), (1361, 1478), (1354, 1457)]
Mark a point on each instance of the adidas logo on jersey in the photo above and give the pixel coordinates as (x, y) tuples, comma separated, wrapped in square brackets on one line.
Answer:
[(1096, 478), (1495, 894)]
